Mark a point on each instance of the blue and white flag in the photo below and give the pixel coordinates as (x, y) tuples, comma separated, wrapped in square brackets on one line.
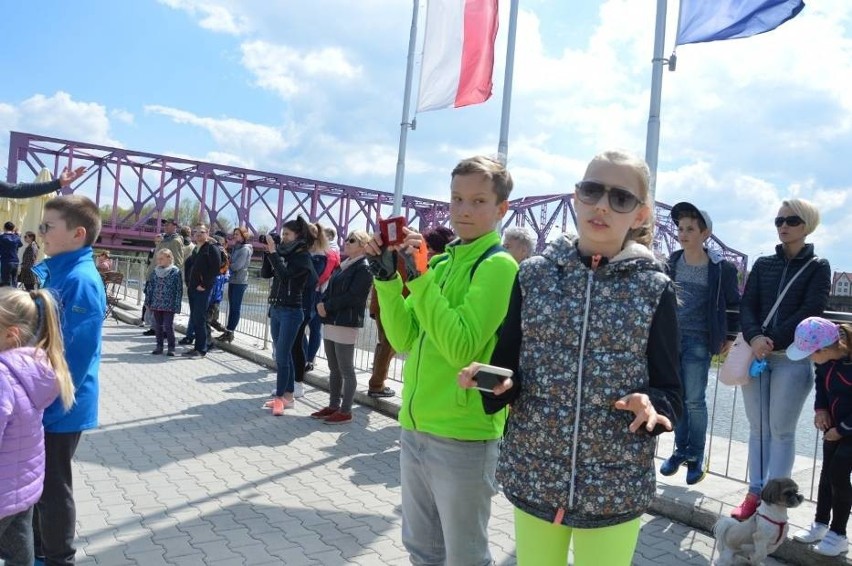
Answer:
[(711, 20)]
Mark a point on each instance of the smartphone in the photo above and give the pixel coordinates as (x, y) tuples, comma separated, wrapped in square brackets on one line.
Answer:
[(391, 230), (488, 377)]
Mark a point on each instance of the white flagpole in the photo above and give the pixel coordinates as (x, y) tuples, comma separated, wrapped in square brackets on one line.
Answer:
[(652, 143), (406, 123), (503, 144)]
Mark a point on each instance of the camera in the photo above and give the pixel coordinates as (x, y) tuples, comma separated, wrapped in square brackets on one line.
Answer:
[(262, 238)]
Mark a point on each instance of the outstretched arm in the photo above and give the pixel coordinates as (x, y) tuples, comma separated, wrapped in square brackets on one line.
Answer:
[(28, 190)]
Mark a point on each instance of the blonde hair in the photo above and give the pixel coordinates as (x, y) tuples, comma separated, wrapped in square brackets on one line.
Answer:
[(845, 342), (166, 252), (360, 236), (644, 234), (806, 211), (36, 316), (320, 237)]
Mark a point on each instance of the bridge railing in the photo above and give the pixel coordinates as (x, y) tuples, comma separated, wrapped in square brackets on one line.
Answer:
[(726, 450)]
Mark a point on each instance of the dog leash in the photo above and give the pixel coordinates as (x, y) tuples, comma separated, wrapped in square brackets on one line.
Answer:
[(779, 524)]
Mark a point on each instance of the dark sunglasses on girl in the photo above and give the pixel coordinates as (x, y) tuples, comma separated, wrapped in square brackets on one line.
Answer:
[(789, 220), (352, 240), (620, 200)]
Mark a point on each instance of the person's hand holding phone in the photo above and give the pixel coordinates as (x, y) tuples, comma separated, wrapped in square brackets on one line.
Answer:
[(484, 377)]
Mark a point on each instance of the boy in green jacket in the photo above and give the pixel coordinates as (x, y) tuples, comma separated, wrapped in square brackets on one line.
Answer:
[(450, 318)]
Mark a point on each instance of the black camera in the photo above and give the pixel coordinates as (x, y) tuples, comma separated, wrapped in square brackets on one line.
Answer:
[(262, 238)]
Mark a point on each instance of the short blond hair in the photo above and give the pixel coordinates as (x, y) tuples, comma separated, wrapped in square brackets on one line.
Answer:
[(805, 210)]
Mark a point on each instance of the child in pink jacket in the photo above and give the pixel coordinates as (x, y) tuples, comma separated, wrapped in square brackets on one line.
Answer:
[(32, 373)]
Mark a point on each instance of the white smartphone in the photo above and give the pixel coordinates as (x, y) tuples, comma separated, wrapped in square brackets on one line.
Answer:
[(488, 377)]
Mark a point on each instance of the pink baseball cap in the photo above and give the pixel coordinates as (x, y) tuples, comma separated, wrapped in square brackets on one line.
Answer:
[(812, 334)]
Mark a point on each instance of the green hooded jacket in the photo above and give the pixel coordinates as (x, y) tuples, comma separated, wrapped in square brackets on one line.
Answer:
[(448, 321)]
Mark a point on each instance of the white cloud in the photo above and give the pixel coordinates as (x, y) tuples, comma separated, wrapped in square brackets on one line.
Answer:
[(62, 116), (288, 71), (238, 137), (212, 16), (122, 115)]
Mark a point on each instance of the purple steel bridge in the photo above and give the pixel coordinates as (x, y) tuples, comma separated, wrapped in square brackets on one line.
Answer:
[(138, 191)]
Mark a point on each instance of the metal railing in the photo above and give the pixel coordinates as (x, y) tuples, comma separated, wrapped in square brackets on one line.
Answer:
[(726, 450)]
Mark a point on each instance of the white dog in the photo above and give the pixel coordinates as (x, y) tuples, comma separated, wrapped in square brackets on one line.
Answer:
[(751, 541)]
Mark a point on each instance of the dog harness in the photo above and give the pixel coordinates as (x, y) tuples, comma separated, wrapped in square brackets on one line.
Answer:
[(779, 524)]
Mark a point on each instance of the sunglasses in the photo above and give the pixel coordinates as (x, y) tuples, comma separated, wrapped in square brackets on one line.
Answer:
[(620, 200), (789, 220), (44, 228)]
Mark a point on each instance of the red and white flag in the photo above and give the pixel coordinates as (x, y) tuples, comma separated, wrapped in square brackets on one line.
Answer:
[(458, 53)]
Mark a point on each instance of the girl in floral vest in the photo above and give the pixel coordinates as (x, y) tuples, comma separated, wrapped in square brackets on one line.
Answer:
[(591, 336), (33, 372)]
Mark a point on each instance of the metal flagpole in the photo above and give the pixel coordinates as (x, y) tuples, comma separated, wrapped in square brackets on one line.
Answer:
[(406, 123), (652, 143), (503, 144)]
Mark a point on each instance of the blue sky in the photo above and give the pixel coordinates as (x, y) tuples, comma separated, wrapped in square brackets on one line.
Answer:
[(314, 89)]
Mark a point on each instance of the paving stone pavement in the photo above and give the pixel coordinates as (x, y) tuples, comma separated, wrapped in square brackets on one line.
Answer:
[(187, 469)]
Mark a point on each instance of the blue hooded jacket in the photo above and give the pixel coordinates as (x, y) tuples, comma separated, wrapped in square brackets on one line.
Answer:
[(78, 288)]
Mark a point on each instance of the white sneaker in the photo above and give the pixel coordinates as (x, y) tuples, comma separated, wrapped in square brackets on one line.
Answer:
[(815, 533), (298, 390), (832, 545)]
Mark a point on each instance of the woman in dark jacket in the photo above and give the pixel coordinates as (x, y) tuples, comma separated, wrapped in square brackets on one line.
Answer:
[(774, 400), (27, 277), (342, 311), (289, 265)]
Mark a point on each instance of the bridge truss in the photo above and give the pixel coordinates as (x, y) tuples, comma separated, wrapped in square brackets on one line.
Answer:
[(141, 190)]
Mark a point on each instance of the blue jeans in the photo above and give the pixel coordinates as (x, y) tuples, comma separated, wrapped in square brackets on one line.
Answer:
[(284, 323), (447, 486), (773, 403), (691, 429), (314, 338), (198, 316), (236, 291)]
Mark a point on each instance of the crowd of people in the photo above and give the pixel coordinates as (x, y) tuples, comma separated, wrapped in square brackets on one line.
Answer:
[(597, 347)]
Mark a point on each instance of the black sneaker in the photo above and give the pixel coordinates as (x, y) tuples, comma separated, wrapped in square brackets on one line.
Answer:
[(171, 353), (186, 341), (309, 366), (149, 332), (384, 392), (193, 354), (157, 352)]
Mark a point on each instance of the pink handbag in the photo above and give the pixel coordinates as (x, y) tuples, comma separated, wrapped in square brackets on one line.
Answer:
[(734, 370)]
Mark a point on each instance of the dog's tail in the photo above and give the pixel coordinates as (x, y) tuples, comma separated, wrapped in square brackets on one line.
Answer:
[(721, 527)]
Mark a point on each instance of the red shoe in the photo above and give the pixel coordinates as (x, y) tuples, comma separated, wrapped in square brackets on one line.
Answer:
[(338, 418), (277, 407), (323, 413), (747, 508)]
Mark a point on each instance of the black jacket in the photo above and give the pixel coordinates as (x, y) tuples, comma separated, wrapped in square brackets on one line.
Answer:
[(808, 296), (204, 266), (345, 299), (724, 297), (290, 270)]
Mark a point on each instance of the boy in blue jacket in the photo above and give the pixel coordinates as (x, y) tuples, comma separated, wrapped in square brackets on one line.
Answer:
[(69, 227)]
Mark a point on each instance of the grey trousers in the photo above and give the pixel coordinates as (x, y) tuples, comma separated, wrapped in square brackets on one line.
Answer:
[(341, 380)]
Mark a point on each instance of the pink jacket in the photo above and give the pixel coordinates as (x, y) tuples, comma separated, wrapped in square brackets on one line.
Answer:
[(27, 386)]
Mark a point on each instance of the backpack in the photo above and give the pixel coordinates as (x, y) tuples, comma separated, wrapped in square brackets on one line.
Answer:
[(496, 248)]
